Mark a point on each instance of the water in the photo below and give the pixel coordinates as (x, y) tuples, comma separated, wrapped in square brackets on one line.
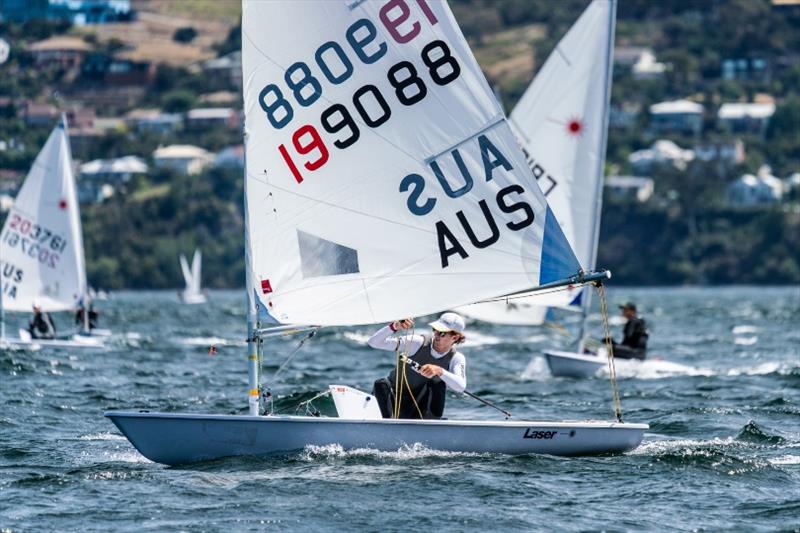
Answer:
[(723, 450)]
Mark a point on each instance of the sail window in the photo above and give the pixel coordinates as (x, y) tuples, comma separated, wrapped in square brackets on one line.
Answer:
[(321, 257)]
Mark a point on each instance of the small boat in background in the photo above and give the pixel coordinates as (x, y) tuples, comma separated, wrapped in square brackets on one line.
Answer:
[(41, 245), (192, 294)]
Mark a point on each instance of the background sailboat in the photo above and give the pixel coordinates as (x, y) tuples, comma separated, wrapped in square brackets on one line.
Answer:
[(382, 181), (192, 294), (561, 123), (41, 244)]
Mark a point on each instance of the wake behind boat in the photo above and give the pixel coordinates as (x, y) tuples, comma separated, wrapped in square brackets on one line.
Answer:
[(366, 120)]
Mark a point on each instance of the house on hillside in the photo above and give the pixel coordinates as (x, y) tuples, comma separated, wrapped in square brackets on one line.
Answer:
[(38, 114), (153, 120), (762, 189), (752, 118), (230, 157), (635, 187), (212, 117), (224, 72), (745, 69), (99, 177), (679, 116), (60, 51), (662, 152), (119, 70), (182, 158), (647, 67), (724, 154)]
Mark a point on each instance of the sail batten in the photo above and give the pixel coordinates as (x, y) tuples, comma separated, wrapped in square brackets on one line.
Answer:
[(382, 178)]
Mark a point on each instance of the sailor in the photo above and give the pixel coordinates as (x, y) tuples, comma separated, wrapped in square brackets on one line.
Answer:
[(634, 343), (41, 327), (442, 366), (92, 318)]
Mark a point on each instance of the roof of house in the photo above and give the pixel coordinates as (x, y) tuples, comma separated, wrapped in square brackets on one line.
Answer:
[(675, 107), (210, 113), (180, 151), (124, 165), (739, 110), (60, 42)]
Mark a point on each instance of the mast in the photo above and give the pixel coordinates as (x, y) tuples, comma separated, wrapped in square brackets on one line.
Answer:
[(252, 314), (81, 255), (601, 159)]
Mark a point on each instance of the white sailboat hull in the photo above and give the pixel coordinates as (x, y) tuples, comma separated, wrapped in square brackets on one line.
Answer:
[(174, 439), (510, 314), (573, 365), (193, 298), (75, 341)]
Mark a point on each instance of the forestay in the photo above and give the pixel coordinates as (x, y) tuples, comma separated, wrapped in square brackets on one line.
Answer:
[(382, 177), (561, 121), (41, 244)]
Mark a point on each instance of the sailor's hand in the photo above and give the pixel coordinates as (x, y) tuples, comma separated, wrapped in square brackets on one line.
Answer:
[(430, 371), (406, 323)]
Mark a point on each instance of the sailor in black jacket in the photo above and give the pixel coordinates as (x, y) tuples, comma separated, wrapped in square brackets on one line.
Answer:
[(634, 343)]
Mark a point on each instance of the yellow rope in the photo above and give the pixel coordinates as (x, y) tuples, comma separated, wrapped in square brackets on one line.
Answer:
[(402, 379), (612, 371)]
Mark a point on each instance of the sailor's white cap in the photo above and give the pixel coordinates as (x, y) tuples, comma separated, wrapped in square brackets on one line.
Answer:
[(449, 322)]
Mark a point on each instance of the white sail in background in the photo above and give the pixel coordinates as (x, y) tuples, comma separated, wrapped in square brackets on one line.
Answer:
[(192, 294), (41, 245), (382, 177), (561, 123)]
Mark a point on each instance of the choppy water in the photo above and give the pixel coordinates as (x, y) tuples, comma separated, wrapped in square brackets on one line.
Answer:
[(723, 450)]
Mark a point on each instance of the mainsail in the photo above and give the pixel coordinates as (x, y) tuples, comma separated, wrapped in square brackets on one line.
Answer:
[(41, 245), (191, 276), (561, 122), (382, 177)]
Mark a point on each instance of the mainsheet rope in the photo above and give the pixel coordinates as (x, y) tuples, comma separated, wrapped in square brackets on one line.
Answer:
[(612, 372), (400, 378)]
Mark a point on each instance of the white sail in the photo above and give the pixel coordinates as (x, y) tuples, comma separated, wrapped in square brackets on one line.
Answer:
[(186, 271), (382, 177), (192, 294), (196, 265), (41, 245), (561, 123)]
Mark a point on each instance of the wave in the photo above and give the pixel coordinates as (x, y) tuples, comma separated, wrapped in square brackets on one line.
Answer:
[(744, 329), (210, 341), (312, 453)]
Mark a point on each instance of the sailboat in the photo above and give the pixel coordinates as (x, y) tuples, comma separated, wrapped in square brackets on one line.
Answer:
[(382, 180), (561, 122), (41, 247), (192, 294)]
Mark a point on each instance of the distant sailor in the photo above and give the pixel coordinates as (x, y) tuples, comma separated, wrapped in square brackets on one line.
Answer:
[(634, 343), (81, 319), (41, 326), (442, 366)]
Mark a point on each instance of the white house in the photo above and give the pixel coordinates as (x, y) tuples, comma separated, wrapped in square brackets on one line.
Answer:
[(663, 152), (678, 116), (746, 117), (182, 158), (647, 68), (630, 187), (750, 190), (100, 176), (212, 116), (230, 157)]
